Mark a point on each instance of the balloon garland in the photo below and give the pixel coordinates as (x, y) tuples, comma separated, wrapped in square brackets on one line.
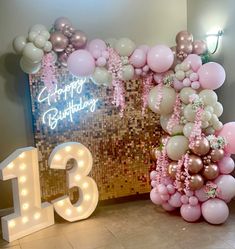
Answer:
[(193, 163)]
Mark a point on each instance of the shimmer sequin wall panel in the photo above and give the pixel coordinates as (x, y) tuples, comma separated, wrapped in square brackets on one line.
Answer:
[(83, 112)]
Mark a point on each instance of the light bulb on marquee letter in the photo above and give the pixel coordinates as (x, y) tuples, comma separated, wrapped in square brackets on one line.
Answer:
[(76, 177), (29, 214)]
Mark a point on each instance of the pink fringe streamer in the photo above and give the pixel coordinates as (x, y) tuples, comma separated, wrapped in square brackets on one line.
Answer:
[(147, 83), (115, 68)]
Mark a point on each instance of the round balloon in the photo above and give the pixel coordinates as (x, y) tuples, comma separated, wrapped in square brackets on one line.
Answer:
[(138, 58), (29, 68), (78, 39), (101, 75), (190, 213), (228, 132), (194, 61), (61, 22), (32, 54), (226, 184), (226, 165), (59, 41), (124, 46), (19, 43)]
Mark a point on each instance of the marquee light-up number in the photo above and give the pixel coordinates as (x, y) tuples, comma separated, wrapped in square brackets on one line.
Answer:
[(29, 214), (76, 177)]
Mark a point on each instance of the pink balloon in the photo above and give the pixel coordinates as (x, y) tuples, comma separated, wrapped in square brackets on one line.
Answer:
[(81, 63), (165, 197), (138, 58), (184, 199), (155, 197), (96, 53), (211, 75), (178, 85), (105, 54), (186, 82), (153, 174), (201, 195), (158, 77), (144, 47), (228, 132), (190, 213), (193, 77), (194, 61), (195, 85), (101, 62), (138, 71), (215, 211), (168, 207), (193, 201), (162, 189), (226, 184), (170, 189), (175, 200), (226, 165), (146, 68), (154, 183), (97, 44), (189, 193), (160, 58)]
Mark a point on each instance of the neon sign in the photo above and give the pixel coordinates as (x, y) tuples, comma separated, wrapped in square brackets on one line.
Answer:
[(71, 97)]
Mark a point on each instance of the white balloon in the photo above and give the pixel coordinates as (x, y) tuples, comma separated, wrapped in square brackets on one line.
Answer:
[(185, 66), (29, 68), (185, 93), (218, 109), (100, 76), (167, 101), (32, 53), (45, 33), (124, 46), (208, 96), (164, 121), (177, 68), (32, 36), (180, 75), (218, 125), (37, 28), (214, 119), (206, 116), (128, 72), (189, 113), (205, 124), (187, 74), (209, 108), (188, 129), (47, 47), (19, 43), (40, 41)]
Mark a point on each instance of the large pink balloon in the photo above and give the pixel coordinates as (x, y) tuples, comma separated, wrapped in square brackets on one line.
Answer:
[(190, 213), (175, 200), (160, 58), (81, 63), (155, 197), (201, 195), (215, 211), (138, 58), (144, 47), (194, 61), (211, 75), (226, 165), (228, 132), (226, 184), (96, 44)]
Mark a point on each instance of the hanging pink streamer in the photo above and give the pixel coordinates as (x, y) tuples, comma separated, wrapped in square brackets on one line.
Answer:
[(147, 83), (175, 117), (115, 68), (186, 172), (49, 71)]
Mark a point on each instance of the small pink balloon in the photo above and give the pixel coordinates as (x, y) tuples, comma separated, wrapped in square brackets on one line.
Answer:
[(61, 22), (167, 180), (193, 200), (175, 200), (154, 183), (160, 58), (96, 53), (145, 68), (158, 77), (226, 165), (190, 213), (184, 199), (165, 197), (138, 58), (81, 63), (155, 197), (211, 75), (228, 132), (178, 85), (162, 189), (201, 195), (101, 62), (194, 61), (215, 211), (143, 73), (170, 188), (144, 47), (167, 207), (189, 193), (105, 54), (193, 77), (138, 71), (195, 85), (153, 175), (97, 44), (186, 82)]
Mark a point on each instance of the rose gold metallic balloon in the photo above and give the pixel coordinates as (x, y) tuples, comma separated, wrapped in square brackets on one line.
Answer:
[(172, 169), (194, 164), (199, 47), (217, 155), (154, 154), (184, 36), (185, 46), (63, 57), (59, 41), (196, 182), (78, 39), (211, 171), (61, 22), (201, 147)]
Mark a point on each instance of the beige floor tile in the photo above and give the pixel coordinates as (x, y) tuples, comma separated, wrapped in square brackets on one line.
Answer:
[(58, 242)]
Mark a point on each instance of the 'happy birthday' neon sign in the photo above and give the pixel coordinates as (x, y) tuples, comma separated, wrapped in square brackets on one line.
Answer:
[(70, 95)]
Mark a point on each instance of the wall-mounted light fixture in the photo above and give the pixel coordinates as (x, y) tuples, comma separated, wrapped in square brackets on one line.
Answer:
[(213, 39)]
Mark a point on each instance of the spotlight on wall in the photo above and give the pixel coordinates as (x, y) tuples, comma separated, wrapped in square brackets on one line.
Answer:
[(213, 40)]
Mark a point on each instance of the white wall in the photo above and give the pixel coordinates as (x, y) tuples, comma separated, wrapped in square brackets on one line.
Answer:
[(144, 21)]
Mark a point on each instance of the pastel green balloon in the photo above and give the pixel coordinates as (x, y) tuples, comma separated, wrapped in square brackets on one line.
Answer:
[(177, 129), (218, 125), (40, 41), (214, 119), (209, 108), (37, 28), (45, 33), (32, 53), (29, 68), (47, 47), (100, 76), (205, 124), (209, 97), (167, 102), (180, 75), (176, 147), (218, 109), (188, 129), (128, 72), (124, 46), (185, 94), (19, 43), (189, 113), (164, 121), (206, 116)]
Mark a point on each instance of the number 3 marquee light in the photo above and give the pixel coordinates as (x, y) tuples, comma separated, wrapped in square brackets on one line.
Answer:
[(30, 215)]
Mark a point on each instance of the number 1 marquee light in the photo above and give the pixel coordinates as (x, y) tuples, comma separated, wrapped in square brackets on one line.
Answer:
[(30, 215)]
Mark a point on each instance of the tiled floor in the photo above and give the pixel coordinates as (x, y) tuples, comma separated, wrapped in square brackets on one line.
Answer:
[(132, 225)]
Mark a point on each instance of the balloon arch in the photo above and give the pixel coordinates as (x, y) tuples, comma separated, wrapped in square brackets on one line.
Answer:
[(193, 163)]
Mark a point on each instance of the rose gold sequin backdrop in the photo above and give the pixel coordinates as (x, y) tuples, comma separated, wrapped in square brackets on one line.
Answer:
[(120, 146)]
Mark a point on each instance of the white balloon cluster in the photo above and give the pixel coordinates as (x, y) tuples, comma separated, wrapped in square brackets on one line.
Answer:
[(32, 48)]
